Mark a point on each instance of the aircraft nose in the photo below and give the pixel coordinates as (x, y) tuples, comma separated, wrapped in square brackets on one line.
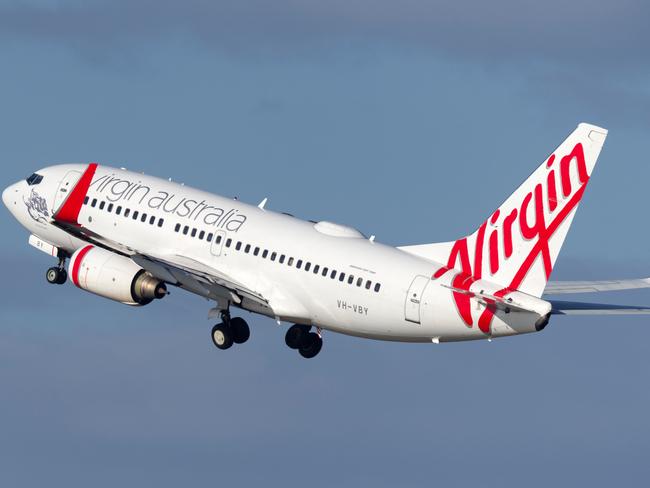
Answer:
[(9, 196)]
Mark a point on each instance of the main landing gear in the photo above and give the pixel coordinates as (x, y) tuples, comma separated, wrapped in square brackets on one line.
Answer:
[(57, 275), (308, 343), (230, 331)]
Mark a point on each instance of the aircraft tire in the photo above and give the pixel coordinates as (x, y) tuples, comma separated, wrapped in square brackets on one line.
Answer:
[(315, 344), (222, 336), (53, 276), (240, 330), (295, 335)]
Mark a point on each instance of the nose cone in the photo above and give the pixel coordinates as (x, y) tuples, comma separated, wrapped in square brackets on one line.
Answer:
[(6, 196), (10, 197)]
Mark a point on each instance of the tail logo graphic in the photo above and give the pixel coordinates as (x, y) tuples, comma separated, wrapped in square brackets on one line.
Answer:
[(528, 219)]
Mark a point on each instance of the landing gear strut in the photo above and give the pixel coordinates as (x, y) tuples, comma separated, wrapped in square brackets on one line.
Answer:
[(230, 331), (308, 343), (57, 275)]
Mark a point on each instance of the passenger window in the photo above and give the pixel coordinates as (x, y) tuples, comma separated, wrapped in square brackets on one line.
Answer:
[(307, 266), (118, 210), (94, 202), (110, 207), (265, 253), (194, 232), (228, 242), (316, 268), (177, 227), (333, 274), (218, 241), (209, 238), (359, 281), (135, 214), (299, 264), (282, 259), (247, 248), (143, 219), (350, 279), (342, 277), (101, 205), (160, 222), (324, 272), (368, 283), (86, 200), (256, 251), (377, 286), (186, 229), (290, 262), (152, 220), (126, 212), (273, 256), (201, 234), (238, 246)]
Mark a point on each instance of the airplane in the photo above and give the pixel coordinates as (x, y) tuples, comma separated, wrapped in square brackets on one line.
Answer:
[(129, 237)]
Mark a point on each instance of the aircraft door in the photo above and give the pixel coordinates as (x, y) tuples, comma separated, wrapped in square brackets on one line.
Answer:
[(414, 297), (64, 189), (217, 243)]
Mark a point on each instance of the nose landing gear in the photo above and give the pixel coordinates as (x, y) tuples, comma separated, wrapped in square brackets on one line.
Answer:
[(308, 343), (230, 331), (57, 275)]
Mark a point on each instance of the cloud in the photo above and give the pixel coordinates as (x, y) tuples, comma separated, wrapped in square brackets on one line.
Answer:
[(574, 32)]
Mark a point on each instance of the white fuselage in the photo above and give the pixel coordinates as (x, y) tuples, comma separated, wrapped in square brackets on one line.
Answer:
[(368, 289)]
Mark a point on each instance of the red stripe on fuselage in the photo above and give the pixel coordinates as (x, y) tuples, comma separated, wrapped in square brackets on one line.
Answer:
[(69, 211), (77, 264)]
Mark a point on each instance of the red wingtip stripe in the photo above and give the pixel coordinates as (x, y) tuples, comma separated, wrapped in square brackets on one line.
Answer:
[(76, 266), (69, 211)]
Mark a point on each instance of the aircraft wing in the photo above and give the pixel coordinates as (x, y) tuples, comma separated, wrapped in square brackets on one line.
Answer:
[(561, 287)]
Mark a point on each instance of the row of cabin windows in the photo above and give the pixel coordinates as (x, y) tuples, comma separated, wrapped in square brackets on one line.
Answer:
[(316, 269), (143, 217), (193, 232)]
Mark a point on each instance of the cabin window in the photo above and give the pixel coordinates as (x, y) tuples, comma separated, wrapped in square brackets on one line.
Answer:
[(359, 281), (201, 234), (209, 238), (110, 207), (118, 210), (307, 266), (102, 204), (228, 242), (238, 246), (247, 248), (152, 220), (86, 200), (143, 219), (218, 239), (186, 229), (350, 279), (282, 259), (290, 262), (316, 268), (324, 272), (342, 277), (256, 251), (160, 222), (127, 212), (333, 274), (177, 227), (299, 264), (368, 283), (194, 232), (265, 253), (377, 286), (135, 214), (273, 256), (94, 202)]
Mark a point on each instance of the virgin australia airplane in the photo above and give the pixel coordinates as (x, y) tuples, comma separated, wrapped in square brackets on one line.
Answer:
[(128, 237)]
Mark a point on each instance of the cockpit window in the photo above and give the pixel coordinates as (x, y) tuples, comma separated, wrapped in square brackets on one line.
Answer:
[(35, 179)]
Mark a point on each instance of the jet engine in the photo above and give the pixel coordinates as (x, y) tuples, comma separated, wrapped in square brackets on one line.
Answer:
[(113, 276)]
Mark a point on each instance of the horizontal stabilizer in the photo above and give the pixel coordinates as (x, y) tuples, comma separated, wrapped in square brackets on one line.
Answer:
[(561, 287), (581, 308)]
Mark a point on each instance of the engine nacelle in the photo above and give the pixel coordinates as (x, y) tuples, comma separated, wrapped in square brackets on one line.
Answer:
[(113, 276)]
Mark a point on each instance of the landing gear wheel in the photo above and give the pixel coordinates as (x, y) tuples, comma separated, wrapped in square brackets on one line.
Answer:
[(222, 336), (295, 335), (56, 276), (240, 330), (312, 344)]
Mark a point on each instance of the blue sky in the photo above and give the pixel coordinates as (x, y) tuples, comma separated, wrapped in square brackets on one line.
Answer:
[(409, 120)]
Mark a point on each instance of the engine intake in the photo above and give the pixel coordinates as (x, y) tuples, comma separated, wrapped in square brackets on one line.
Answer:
[(113, 276)]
